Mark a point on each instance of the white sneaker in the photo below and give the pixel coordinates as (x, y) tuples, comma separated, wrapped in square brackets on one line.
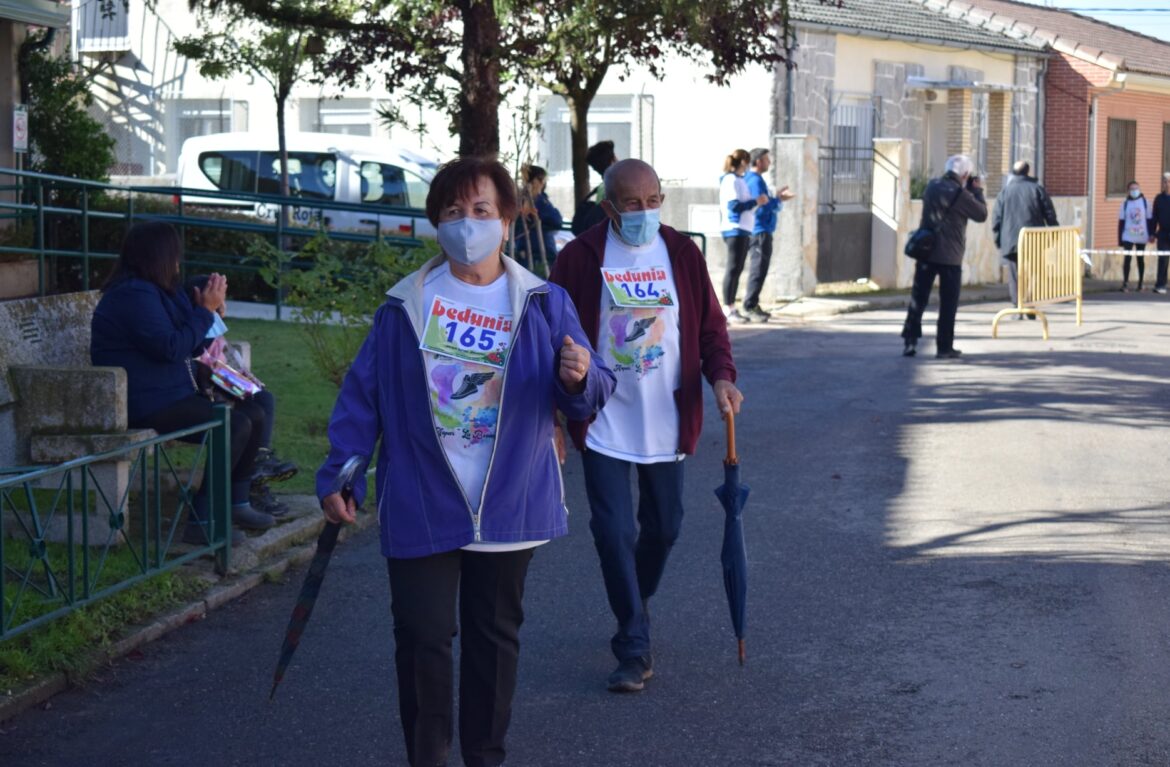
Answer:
[(728, 309)]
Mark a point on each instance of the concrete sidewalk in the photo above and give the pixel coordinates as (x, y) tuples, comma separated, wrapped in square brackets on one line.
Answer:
[(813, 308), (806, 308)]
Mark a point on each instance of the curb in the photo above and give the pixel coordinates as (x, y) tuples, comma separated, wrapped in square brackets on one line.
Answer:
[(302, 538)]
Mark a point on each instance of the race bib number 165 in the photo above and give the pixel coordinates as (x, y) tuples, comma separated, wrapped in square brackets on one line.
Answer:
[(464, 332)]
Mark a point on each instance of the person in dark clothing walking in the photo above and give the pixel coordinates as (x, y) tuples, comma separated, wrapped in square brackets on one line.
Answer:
[(948, 203), (1162, 231), (1022, 202)]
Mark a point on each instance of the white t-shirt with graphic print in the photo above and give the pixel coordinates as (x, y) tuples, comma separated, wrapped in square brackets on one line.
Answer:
[(1136, 215), (639, 422), (465, 395)]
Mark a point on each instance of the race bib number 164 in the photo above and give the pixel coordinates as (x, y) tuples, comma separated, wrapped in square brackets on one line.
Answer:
[(648, 287)]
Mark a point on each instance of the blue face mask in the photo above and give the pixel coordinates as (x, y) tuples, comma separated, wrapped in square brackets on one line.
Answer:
[(1135, 193), (218, 327), (468, 241), (639, 227)]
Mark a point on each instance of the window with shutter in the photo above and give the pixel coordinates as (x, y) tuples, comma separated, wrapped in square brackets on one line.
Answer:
[(1121, 156)]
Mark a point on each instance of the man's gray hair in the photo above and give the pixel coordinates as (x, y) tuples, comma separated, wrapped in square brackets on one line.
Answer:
[(960, 165)]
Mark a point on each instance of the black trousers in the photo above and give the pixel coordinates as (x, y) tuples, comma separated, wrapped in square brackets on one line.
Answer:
[(950, 282), (1163, 263), (490, 588), (247, 427), (737, 248), (1141, 263), (759, 259)]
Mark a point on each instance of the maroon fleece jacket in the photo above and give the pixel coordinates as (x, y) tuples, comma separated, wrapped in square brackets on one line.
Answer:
[(705, 349)]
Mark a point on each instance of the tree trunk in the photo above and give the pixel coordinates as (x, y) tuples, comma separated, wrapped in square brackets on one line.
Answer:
[(479, 95), (579, 140), (281, 100)]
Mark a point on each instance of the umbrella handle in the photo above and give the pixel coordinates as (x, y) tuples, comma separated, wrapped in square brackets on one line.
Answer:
[(732, 459)]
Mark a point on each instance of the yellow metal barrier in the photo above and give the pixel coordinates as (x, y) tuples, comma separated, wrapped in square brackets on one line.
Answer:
[(1049, 272)]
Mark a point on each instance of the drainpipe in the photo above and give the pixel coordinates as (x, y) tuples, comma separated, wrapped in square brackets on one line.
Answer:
[(1041, 112), (789, 85), (788, 92), (1092, 202)]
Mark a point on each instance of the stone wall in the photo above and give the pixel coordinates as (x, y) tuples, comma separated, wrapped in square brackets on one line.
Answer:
[(902, 109), (1026, 106), (812, 83)]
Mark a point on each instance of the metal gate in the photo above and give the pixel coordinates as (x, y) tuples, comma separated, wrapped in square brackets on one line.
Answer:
[(844, 221)]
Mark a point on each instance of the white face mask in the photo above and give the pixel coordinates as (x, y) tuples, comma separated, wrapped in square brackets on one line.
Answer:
[(468, 241)]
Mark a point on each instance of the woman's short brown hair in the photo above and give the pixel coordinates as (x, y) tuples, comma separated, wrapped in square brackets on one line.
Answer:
[(457, 179)]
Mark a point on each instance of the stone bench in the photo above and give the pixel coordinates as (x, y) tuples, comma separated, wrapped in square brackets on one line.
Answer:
[(55, 406)]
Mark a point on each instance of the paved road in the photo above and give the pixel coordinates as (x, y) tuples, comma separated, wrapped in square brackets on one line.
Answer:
[(953, 563)]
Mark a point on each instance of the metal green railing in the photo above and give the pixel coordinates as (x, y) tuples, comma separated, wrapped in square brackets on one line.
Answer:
[(49, 569), (44, 207)]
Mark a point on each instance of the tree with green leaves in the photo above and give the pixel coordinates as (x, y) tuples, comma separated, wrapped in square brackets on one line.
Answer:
[(63, 138), (274, 52), (570, 47), (463, 56)]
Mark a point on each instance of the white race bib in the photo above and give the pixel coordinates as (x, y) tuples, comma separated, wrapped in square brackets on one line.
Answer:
[(638, 287), (464, 332)]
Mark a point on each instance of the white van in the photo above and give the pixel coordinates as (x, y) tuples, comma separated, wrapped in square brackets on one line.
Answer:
[(322, 167)]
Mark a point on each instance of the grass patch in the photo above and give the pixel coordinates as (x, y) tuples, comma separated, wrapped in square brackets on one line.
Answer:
[(304, 398), (69, 642)]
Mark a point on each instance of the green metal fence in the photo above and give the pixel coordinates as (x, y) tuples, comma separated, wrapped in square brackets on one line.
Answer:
[(62, 533), (81, 222)]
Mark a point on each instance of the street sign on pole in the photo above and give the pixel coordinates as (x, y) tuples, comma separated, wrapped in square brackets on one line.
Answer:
[(20, 128)]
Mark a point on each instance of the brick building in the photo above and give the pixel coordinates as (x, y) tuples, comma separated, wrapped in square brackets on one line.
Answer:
[(1106, 105)]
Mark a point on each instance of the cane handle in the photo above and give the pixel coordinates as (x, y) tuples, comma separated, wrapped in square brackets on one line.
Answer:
[(732, 459)]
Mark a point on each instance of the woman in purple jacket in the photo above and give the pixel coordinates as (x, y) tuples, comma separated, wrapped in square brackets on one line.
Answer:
[(459, 379)]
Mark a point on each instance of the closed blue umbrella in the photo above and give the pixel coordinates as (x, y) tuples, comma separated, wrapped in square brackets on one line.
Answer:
[(733, 494), (312, 586)]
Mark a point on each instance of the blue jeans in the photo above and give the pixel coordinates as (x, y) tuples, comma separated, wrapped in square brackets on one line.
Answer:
[(633, 556)]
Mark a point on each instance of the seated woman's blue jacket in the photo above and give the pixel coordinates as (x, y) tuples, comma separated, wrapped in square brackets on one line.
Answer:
[(422, 508), (152, 334)]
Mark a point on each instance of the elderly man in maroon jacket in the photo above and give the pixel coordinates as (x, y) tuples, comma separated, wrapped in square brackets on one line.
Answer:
[(647, 305)]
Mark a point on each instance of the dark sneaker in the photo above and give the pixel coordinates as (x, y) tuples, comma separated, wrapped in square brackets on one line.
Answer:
[(631, 675), (270, 468), (251, 519), (1125, 287), (950, 354), (910, 349), (195, 534), (262, 499), (756, 314)]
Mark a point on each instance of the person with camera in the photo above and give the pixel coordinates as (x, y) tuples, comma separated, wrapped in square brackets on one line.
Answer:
[(948, 204)]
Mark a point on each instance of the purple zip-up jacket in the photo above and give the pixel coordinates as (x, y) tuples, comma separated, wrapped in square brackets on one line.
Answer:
[(422, 508)]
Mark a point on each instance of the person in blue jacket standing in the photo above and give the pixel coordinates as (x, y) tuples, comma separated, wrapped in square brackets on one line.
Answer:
[(736, 212), (457, 385), (763, 227)]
